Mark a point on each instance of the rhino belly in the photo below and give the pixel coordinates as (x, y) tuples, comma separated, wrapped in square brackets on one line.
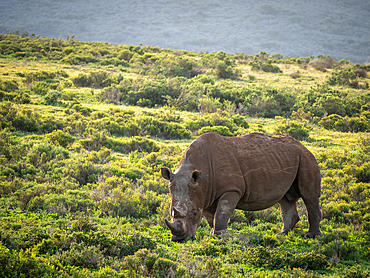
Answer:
[(265, 187)]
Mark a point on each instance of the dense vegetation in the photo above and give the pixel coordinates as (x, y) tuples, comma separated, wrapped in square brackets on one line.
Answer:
[(85, 127)]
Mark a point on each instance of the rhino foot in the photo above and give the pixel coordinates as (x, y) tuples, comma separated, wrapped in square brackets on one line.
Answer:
[(283, 233), (312, 234), (217, 232)]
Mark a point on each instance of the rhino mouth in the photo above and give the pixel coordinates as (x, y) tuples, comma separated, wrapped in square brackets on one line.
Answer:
[(182, 239), (178, 231)]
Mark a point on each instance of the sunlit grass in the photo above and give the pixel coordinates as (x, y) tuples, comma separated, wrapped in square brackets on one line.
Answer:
[(83, 193)]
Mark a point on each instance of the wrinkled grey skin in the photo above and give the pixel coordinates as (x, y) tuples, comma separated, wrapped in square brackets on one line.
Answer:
[(185, 209), (219, 174)]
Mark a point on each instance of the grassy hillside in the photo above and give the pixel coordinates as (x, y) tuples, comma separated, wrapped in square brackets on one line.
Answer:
[(85, 127)]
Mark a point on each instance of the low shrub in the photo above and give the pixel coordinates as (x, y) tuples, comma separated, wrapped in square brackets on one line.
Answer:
[(356, 272), (83, 169), (58, 137), (142, 262), (277, 258), (99, 79), (208, 104), (291, 128), (264, 65), (215, 119), (18, 118), (81, 109), (9, 86), (129, 202), (125, 54), (82, 256), (25, 263), (72, 201), (222, 130), (240, 121), (323, 100), (322, 63), (133, 243), (78, 59), (223, 70), (34, 76), (146, 92), (167, 130), (333, 121), (112, 94), (136, 143), (165, 267), (340, 250), (49, 123), (210, 247), (267, 102), (95, 141), (16, 97), (345, 77), (53, 98), (178, 66), (43, 153), (146, 263), (346, 124), (361, 173), (40, 88)]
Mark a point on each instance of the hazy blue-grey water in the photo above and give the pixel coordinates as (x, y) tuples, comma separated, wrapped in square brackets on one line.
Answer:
[(339, 28)]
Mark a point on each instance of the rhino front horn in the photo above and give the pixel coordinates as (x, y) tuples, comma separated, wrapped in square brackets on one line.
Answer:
[(174, 227)]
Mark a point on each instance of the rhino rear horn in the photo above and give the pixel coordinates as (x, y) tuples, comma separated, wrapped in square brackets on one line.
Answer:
[(179, 211)]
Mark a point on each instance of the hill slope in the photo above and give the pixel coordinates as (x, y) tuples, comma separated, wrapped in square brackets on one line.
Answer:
[(85, 128)]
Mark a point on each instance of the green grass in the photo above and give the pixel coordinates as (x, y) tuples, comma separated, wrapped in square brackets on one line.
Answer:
[(80, 189)]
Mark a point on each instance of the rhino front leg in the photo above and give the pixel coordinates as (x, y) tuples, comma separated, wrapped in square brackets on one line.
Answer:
[(225, 207), (209, 215)]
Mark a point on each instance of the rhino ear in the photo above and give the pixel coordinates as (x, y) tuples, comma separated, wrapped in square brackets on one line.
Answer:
[(195, 175), (166, 173)]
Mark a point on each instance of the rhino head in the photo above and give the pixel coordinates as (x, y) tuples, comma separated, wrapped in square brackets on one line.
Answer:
[(186, 211)]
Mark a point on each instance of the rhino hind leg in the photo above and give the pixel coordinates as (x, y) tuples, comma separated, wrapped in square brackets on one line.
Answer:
[(309, 188), (289, 214), (314, 217)]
